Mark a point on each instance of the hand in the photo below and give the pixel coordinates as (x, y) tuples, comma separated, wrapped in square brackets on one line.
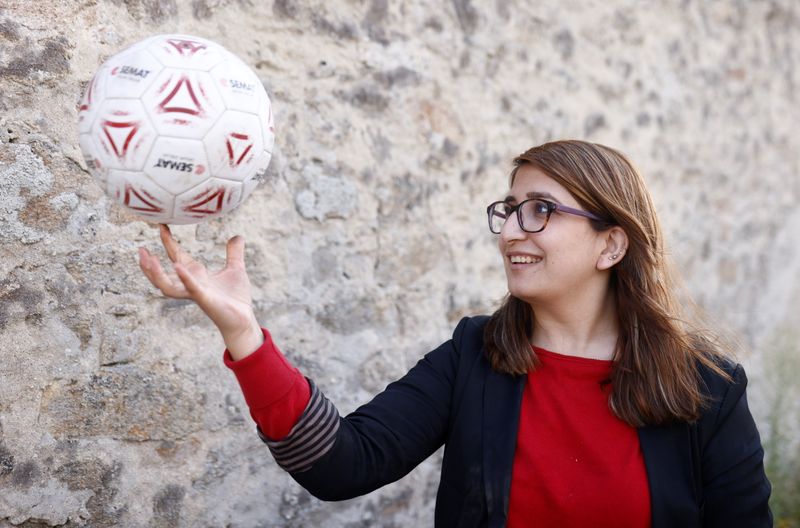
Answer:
[(224, 295)]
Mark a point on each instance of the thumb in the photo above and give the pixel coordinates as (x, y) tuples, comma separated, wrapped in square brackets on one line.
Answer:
[(234, 252)]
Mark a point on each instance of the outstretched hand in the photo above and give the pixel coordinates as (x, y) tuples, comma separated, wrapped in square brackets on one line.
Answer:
[(224, 295)]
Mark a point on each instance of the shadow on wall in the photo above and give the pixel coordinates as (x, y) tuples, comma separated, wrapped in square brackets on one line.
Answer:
[(782, 446)]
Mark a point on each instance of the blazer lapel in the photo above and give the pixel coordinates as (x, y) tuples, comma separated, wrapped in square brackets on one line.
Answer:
[(502, 398)]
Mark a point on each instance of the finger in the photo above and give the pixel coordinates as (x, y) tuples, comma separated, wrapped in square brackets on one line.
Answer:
[(151, 267), (174, 251), (143, 259), (145, 263), (169, 286), (235, 253), (189, 282)]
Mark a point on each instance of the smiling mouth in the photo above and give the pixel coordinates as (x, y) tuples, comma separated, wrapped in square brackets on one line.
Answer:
[(519, 259)]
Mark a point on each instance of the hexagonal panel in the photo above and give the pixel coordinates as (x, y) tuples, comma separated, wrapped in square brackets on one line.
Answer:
[(211, 199), (123, 134), (267, 122), (177, 165), (131, 73), (140, 195), (96, 168), (238, 84), (139, 44), (183, 103), (92, 98), (233, 145), (185, 51), (248, 186)]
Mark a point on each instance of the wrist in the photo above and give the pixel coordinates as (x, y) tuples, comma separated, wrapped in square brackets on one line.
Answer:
[(242, 344)]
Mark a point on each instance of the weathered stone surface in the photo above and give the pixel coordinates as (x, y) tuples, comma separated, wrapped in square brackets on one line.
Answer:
[(23, 177), (124, 404), (366, 238), (326, 197)]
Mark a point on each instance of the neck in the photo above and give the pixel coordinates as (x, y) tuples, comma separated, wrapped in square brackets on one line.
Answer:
[(584, 326)]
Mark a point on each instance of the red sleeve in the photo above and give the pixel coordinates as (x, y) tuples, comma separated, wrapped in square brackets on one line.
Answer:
[(275, 391)]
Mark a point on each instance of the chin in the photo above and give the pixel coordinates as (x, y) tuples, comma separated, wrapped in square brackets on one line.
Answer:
[(523, 294)]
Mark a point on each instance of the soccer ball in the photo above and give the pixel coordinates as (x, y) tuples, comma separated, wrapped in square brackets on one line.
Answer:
[(176, 128)]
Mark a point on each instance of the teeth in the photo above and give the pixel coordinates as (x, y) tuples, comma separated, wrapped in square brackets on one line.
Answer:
[(518, 259)]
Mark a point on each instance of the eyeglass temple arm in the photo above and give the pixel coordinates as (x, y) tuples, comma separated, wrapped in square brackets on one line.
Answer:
[(579, 212)]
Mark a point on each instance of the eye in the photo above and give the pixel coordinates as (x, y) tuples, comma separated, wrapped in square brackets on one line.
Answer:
[(539, 207)]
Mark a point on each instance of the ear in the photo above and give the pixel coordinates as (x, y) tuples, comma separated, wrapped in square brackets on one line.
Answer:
[(615, 243)]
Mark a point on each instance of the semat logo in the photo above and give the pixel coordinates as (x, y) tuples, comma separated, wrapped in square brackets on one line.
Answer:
[(240, 85), (179, 166), (131, 71)]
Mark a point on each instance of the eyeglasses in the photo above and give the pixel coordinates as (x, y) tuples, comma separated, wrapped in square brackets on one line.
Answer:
[(532, 214)]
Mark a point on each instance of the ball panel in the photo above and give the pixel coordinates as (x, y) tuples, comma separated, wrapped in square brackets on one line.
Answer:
[(140, 195), (92, 98), (96, 168), (212, 198), (177, 165), (123, 134), (186, 52), (130, 74), (239, 86), (267, 123), (183, 103), (233, 146), (248, 186), (141, 44)]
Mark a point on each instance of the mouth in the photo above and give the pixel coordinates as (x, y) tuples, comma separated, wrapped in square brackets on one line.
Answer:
[(524, 259)]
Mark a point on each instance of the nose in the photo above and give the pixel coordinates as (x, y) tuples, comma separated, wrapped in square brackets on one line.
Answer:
[(511, 229)]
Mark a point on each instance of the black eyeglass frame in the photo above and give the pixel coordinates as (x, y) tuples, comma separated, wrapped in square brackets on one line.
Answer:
[(551, 207)]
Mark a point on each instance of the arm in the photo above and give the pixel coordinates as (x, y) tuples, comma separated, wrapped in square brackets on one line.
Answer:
[(334, 458), (338, 458), (735, 486), (275, 391)]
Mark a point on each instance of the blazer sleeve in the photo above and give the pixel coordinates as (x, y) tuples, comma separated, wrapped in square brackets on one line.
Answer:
[(735, 486), (337, 458)]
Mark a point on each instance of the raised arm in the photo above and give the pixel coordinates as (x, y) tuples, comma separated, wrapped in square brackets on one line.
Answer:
[(340, 458)]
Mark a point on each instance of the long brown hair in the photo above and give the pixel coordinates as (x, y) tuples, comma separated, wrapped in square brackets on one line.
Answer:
[(655, 378)]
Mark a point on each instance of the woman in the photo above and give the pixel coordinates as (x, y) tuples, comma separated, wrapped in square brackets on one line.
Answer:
[(585, 400)]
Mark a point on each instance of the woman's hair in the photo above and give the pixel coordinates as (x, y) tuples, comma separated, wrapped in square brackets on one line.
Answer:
[(655, 378)]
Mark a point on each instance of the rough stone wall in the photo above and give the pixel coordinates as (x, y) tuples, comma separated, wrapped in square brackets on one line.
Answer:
[(396, 122)]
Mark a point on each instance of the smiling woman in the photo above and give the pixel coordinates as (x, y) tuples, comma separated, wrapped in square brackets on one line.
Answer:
[(587, 399)]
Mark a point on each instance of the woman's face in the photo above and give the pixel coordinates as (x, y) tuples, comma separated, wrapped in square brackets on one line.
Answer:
[(559, 261)]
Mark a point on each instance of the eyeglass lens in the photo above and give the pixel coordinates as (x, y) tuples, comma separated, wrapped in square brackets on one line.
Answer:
[(532, 213)]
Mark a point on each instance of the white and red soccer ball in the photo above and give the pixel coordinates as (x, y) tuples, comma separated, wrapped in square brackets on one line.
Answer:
[(176, 128)]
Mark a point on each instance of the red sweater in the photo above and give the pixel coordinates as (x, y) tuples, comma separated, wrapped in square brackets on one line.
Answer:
[(276, 392), (575, 464)]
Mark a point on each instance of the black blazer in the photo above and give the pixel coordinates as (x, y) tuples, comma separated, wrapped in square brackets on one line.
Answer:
[(705, 474)]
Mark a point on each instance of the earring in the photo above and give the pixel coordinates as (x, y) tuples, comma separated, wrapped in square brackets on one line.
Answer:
[(614, 257)]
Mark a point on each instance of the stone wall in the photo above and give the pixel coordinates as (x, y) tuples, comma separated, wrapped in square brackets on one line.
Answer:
[(396, 123)]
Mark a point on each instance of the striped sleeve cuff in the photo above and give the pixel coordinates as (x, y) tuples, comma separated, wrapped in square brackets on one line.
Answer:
[(311, 437)]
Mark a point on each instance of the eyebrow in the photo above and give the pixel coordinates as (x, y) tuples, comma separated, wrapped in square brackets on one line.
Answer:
[(541, 195)]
